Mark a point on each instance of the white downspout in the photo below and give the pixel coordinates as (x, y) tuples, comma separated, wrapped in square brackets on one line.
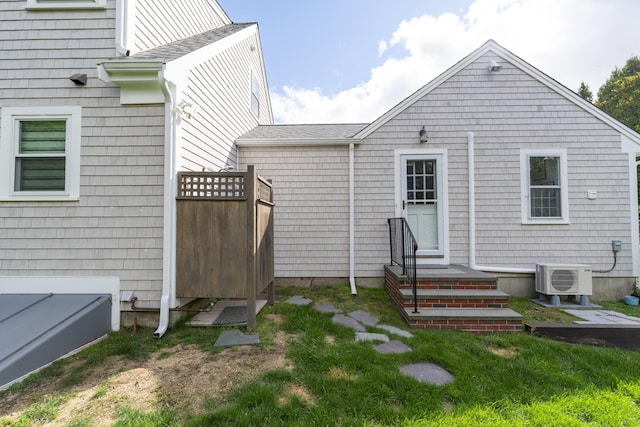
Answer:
[(352, 240), (472, 219), (168, 241), (125, 17), (472, 200)]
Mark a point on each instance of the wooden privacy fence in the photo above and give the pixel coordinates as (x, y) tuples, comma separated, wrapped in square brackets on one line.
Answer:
[(225, 237)]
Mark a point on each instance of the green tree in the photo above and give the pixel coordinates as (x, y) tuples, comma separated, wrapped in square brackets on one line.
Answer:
[(585, 92), (620, 95)]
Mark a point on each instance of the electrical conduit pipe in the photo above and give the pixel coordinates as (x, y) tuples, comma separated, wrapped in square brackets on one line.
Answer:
[(472, 218)]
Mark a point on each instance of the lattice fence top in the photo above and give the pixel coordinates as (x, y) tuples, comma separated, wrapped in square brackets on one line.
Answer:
[(211, 186)]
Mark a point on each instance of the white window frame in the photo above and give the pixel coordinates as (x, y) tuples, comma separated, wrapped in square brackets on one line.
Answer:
[(66, 4), (9, 135), (525, 155)]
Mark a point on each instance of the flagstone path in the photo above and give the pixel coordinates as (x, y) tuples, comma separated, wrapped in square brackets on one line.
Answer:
[(359, 321)]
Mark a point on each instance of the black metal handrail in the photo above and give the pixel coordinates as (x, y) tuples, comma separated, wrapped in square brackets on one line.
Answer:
[(404, 248)]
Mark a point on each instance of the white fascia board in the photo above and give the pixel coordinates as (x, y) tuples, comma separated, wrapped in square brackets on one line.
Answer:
[(411, 99), (494, 47), (311, 142), (140, 81), (175, 70)]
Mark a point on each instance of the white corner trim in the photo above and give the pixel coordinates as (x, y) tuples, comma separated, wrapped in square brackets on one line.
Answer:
[(633, 214), (627, 145), (67, 285)]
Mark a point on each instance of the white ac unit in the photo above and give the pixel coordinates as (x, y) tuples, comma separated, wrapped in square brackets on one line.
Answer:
[(563, 279)]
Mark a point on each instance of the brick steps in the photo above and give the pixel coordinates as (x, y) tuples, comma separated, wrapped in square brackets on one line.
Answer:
[(453, 298), (476, 320), (447, 298)]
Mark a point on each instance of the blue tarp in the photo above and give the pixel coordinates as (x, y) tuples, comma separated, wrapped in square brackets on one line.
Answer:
[(36, 329)]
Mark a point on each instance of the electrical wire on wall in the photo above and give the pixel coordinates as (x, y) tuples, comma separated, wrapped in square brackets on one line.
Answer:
[(616, 245)]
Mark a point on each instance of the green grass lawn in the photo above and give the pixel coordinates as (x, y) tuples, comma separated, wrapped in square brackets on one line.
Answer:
[(500, 379)]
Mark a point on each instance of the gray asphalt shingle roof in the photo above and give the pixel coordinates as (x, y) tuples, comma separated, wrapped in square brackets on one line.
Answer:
[(179, 48), (304, 131)]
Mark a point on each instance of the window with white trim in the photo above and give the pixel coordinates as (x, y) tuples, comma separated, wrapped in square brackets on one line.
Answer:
[(40, 153), (66, 4), (544, 186)]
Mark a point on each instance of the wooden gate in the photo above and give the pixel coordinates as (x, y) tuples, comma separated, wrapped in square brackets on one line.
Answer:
[(225, 237)]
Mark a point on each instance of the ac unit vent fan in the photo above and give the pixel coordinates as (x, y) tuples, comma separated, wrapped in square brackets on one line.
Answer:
[(563, 280)]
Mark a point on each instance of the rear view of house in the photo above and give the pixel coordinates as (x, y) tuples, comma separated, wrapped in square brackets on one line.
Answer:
[(494, 165), (102, 102)]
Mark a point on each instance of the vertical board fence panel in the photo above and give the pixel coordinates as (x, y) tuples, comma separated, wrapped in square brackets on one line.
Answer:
[(224, 237)]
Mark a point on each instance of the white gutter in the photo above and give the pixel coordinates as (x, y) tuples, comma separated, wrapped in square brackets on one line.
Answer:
[(472, 219), (352, 278), (168, 241)]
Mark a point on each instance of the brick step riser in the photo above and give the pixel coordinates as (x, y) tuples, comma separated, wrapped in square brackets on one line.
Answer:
[(455, 286), (458, 303), (473, 326)]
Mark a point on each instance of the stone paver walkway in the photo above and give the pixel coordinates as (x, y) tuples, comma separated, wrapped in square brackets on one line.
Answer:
[(359, 321), (603, 317)]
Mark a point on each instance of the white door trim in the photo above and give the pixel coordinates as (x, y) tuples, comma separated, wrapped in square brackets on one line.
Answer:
[(443, 198)]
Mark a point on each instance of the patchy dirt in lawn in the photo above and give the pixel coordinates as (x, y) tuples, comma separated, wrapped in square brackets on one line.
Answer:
[(183, 378)]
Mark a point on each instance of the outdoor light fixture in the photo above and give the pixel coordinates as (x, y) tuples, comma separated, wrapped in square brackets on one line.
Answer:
[(494, 66), (186, 109), (79, 79), (423, 135)]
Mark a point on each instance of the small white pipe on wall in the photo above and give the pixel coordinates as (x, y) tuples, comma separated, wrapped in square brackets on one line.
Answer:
[(472, 218)]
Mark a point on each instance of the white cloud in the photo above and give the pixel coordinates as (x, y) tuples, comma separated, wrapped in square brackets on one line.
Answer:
[(570, 40)]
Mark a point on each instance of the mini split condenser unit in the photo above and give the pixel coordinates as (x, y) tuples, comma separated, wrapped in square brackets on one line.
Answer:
[(561, 279)]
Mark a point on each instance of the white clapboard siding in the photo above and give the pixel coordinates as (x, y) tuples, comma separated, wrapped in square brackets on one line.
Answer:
[(311, 193), (221, 88), (161, 22), (115, 229)]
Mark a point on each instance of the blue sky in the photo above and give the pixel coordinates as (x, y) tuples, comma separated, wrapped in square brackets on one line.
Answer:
[(352, 60)]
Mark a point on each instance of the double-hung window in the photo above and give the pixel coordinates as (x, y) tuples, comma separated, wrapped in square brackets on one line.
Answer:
[(544, 186), (40, 153)]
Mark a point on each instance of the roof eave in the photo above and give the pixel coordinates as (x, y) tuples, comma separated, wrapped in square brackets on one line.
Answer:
[(140, 81), (492, 46), (297, 142)]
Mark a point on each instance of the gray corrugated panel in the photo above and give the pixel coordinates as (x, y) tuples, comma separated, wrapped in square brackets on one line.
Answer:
[(37, 329)]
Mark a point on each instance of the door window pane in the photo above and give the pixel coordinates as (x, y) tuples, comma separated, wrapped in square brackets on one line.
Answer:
[(421, 181)]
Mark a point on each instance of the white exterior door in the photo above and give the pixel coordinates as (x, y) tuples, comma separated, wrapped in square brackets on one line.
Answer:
[(422, 202)]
